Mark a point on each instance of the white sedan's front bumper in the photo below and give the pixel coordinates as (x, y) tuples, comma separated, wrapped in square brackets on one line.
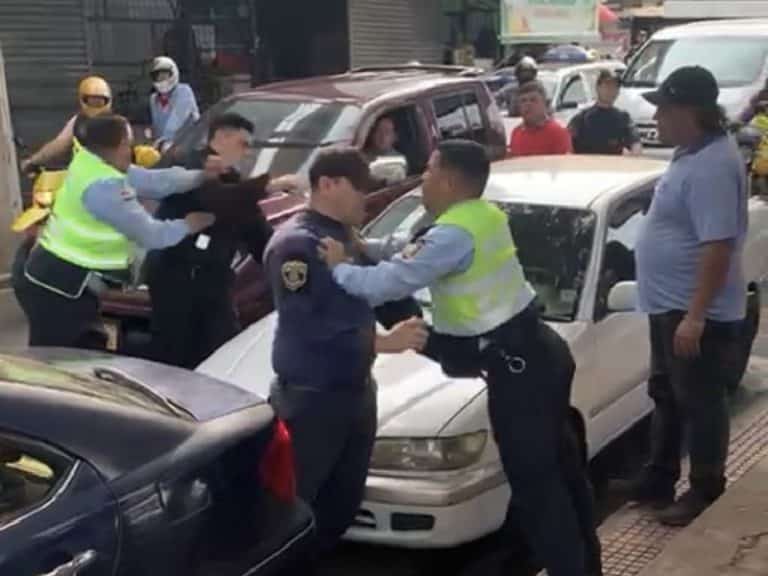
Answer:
[(440, 511)]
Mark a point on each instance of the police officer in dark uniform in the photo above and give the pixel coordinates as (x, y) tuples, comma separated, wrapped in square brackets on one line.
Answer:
[(191, 283), (325, 345), (486, 323)]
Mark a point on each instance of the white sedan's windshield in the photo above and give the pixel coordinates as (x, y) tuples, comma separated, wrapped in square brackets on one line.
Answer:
[(734, 61), (554, 247)]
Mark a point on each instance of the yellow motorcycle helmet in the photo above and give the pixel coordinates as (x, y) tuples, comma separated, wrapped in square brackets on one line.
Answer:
[(145, 156), (95, 96)]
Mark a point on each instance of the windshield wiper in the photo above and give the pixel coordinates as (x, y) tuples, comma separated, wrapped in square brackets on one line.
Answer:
[(116, 377)]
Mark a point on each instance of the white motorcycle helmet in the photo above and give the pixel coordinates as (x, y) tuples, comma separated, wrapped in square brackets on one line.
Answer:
[(165, 74)]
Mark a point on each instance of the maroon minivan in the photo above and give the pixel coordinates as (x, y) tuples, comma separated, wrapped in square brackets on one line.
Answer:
[(294, 120)]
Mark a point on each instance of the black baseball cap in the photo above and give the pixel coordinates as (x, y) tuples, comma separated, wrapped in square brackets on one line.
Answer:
[(686, 86)]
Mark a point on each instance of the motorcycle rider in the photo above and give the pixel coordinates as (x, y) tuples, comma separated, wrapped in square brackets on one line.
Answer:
[(173, 104), (95, 97), (526, 71)]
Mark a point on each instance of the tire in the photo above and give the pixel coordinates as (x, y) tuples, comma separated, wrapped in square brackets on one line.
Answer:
[(740, 358)]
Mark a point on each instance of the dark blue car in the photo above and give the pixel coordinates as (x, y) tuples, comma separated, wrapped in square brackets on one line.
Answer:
[(116, 466)]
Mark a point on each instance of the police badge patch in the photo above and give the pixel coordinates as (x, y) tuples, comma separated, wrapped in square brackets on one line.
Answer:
[(294, 274)]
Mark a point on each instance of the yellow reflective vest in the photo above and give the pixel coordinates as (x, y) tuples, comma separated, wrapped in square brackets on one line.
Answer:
[(493, 289), (72, 233)]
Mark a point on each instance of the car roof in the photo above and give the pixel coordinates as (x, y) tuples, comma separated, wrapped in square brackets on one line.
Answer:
[(361, 87), (738, 27), (117, 435), (574, 181), (202, 398), (555, 68)]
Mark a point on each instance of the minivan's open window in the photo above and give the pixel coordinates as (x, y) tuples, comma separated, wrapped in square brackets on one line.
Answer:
[(734, 61)]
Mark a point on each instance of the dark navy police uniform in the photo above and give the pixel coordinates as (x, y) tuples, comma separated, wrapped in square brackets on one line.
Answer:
[(323, 353)]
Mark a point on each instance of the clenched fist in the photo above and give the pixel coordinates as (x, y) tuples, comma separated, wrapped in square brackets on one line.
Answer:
[(411, 334)]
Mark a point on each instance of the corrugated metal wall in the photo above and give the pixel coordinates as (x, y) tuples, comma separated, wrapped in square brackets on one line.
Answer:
[(394, 31), (46, 53)]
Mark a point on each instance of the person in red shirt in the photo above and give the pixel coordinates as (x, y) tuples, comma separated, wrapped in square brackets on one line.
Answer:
[(539, 134)]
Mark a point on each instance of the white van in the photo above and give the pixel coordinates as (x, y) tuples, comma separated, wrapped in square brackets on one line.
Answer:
[(735, 51)]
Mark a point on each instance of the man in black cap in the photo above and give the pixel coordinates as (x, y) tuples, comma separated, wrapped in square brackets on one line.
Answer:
[(691, 284)]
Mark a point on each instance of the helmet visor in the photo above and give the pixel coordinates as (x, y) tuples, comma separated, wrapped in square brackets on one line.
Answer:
[(161, 75), (95, 101)]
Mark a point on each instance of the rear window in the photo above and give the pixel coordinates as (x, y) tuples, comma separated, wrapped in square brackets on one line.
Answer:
[(99, 383)]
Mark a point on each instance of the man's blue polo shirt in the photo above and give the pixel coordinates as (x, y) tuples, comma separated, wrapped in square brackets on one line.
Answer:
[(702, 198)]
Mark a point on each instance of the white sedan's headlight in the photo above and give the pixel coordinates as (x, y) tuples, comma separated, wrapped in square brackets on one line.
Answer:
[(428, 454)]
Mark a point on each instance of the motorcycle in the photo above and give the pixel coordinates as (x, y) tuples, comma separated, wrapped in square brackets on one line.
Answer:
[(48, 182), (753, 145)]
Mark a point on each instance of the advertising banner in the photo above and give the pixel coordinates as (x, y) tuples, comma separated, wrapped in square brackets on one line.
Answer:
[(552, 21)]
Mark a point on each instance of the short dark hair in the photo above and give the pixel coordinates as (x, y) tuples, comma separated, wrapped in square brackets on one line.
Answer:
[(341, 162), (606, 75), (533, 87), (229, 121), (469, 159), (105, 131)]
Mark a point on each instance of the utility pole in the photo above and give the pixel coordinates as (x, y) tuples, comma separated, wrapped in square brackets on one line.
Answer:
[(10, 196)]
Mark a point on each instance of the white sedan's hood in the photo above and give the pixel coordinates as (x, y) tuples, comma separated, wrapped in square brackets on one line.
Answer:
[(415, 397)]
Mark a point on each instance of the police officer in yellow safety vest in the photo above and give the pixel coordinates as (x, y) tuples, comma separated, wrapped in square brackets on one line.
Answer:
[(486, 323), (89, 240)]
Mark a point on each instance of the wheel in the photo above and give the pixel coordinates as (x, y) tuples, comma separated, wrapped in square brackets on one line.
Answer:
[(740, 358)]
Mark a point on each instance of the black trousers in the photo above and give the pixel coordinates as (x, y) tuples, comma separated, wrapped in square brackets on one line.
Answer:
[(192, 313), (333, 432), (690, 395), (55, 320), (529, 373)]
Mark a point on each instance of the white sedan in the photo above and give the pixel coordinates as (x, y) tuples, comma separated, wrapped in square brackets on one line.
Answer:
[(435, 478)]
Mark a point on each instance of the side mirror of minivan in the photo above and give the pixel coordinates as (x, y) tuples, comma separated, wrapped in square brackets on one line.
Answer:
[(389, 169)]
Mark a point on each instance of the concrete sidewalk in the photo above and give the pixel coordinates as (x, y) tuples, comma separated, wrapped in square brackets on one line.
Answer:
[(729, 539)]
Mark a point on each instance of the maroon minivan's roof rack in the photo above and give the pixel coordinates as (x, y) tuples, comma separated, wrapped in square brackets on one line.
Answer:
[(419, 67)]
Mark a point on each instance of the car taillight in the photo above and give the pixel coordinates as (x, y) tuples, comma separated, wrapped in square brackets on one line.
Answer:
[(277, 471)]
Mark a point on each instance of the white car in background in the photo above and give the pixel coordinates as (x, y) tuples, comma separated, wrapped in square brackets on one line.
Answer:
[(435, 478), (570, 88)]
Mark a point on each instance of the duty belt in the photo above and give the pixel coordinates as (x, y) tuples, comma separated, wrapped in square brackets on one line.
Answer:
[(68, 280)]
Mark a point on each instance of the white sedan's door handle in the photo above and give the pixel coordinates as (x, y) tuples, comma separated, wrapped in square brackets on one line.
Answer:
[(73, 567)]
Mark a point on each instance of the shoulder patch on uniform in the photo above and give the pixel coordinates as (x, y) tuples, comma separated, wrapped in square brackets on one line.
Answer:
[(412, 249), (294, 274)]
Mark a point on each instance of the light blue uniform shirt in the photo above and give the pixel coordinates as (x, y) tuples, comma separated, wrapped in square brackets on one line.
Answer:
[(443, 250), (702, 198), (167, 120), (115, 202)]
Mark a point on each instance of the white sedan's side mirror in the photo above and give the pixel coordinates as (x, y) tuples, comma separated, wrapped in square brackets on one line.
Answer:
[(623, 297)]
